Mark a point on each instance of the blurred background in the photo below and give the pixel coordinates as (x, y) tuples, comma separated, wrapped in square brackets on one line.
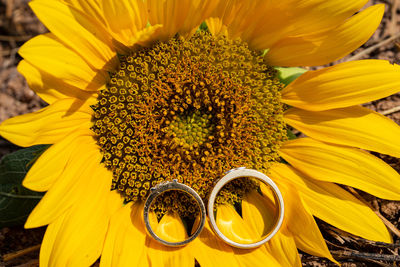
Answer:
[(20, 247)]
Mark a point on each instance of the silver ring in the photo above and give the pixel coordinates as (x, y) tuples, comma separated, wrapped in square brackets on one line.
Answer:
[(235, 174), (168, 186)]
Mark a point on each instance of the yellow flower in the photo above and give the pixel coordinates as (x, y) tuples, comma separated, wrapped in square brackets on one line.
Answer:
[(137, 96)]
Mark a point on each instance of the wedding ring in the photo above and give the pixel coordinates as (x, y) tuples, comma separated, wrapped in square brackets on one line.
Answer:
[(273, 193), (157, 191)]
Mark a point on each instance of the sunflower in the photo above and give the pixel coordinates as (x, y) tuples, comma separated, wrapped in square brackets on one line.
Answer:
[(142, 92)]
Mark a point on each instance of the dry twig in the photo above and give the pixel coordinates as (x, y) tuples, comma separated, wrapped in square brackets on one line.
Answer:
[(366, 255), (390, 111), (9, 8), (19, 253), (393, 19)]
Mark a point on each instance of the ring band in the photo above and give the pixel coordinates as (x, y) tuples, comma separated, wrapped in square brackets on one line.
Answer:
[(235, 174), (168, 186)]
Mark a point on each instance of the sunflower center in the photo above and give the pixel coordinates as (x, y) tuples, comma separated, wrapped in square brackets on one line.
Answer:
[(192, 128), (188, 110)]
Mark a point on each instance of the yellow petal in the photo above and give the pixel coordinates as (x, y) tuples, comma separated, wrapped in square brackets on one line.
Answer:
[(146, 36), (322, 48), (178, 15), (51, 164), (48, 125), (352, 126), (300, 224), (334, 205), (197, 13), (80, 174), (47, 86), (81, 240), (236, 229), (45, 52), (263, 23), (284, 250), (278, 21), (210, 251), (321, 15), (125, 241), (78, 239), (343, 85), (233, 227), (90, 7), (74, 28), (225, 13), (169, 13), (259, 212), (124, 18), (258, 257), (343, 165), (49, 239), (170, 227), (216, 27), (247, 20)]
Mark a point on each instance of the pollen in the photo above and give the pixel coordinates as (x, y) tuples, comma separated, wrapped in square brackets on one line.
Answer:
[(188, 109)]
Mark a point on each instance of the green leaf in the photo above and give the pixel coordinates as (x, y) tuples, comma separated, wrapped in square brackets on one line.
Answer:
[(16, 201), (288, 75), (290, 134), (203, 26)]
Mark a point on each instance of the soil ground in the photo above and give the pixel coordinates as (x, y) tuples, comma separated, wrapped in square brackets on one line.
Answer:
[(18, 24)]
